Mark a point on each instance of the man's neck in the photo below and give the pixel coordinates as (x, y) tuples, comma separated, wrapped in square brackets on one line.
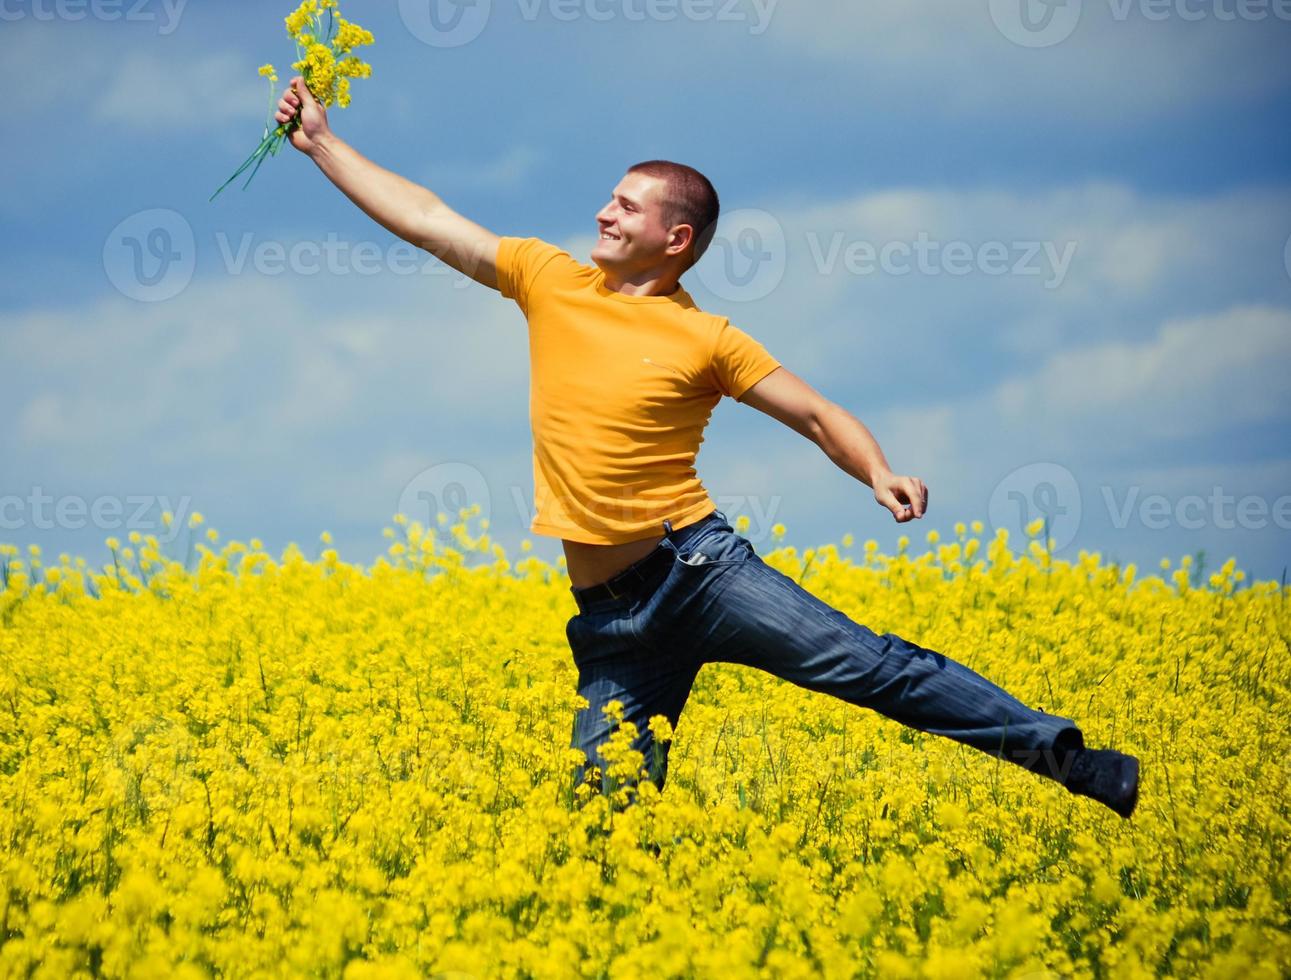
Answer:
[(643, 284)]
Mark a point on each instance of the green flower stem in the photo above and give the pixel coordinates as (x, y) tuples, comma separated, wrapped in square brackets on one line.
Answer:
[(269, 146)]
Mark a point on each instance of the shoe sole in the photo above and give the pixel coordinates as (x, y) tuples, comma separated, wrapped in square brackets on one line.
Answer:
[(1133, 801)]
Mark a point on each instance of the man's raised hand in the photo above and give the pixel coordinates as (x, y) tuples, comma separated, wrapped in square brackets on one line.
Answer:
[(905, 496), (313, 128)]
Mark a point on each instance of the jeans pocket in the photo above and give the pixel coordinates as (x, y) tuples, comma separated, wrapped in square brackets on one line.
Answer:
[(604, 635), (720, 547)]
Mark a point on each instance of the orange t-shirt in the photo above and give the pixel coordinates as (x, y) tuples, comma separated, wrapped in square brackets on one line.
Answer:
[(620, 390)]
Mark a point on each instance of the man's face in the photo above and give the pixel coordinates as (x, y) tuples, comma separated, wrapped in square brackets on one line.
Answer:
[(633, 233)]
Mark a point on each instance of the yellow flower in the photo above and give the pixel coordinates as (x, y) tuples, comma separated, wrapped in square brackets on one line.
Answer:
[(363, 747), (661, 728), (350, 36), (301, 16)]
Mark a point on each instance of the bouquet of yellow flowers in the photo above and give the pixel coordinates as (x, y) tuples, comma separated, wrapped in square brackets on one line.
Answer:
[(324, 61)]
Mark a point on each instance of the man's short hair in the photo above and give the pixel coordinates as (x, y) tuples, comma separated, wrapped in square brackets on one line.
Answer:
[(690, 199)]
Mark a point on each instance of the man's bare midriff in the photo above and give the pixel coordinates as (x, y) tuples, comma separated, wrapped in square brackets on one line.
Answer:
[(592, 564)]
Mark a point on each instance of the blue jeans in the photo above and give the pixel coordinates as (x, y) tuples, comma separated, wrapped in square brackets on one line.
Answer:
[(703, 596)]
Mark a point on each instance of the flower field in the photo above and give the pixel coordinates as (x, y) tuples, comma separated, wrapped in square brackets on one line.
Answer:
[(231, 763)]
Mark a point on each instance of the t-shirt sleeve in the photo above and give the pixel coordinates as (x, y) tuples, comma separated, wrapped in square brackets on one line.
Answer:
[(739, 362), (519, 263)]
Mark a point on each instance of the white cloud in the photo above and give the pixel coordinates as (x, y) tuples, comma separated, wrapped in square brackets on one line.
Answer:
[(945, 56), (1101, 412), (1197, 376), (512, 169), (158, 89), (240, 367), (147, 92), (1132, 258), (314, 400)]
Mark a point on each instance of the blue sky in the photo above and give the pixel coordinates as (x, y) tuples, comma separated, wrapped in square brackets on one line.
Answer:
[(1048, 265)]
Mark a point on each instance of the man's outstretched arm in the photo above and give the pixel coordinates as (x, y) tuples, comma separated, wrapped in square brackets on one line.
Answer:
[(843, 437), (406, 209)]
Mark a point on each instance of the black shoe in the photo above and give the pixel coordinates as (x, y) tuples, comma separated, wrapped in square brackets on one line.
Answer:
[(1105, 775)]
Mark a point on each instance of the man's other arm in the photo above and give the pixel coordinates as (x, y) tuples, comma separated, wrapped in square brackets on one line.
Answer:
[(843, 438), (408, 210)]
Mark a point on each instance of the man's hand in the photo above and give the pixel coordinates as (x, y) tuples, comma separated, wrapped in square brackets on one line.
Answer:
[(313, 128), (905, 496)]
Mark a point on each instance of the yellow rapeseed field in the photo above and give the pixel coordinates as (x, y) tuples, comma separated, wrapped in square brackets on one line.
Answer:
[(298, 765)]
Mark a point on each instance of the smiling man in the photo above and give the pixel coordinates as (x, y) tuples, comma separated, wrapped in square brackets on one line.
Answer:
[(625, 371)]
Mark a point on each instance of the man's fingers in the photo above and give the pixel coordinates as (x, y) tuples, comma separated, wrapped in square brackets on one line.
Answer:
[(906, 497), (893, 503)]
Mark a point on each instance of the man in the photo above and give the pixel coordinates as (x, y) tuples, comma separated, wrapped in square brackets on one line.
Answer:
[(625, 372)]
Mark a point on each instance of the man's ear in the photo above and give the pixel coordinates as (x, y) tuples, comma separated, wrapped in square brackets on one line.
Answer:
[(680, 238)]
